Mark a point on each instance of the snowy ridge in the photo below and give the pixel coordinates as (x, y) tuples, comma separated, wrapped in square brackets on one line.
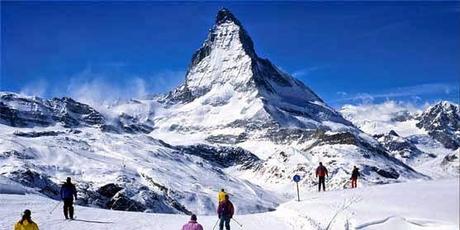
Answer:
[(425, 140), (442, 121), (128, 172)]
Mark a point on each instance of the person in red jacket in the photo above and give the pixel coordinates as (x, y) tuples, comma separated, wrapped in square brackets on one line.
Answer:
[(225, 212), (321, 173), (354, 177), (192, 224)]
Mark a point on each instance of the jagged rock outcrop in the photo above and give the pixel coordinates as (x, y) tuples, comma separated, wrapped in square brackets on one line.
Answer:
[(22, 111), (442, 122)]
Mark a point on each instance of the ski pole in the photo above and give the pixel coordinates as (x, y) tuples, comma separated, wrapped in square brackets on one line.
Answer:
[(215, 224), (52, 210), (237, 222)]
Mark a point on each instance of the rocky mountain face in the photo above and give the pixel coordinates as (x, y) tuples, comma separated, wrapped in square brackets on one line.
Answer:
[(402, 148), (22, 112), (226, 69), (442, 122)]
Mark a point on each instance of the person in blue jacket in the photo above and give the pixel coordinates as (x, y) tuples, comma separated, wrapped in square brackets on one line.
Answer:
[(68, 192)]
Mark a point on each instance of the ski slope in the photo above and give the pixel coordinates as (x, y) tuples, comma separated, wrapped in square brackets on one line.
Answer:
[(413, 205)]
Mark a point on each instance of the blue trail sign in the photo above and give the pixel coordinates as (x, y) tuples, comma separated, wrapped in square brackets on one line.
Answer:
[(296, 179)]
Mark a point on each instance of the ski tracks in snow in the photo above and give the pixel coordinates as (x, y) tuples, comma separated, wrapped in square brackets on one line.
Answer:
[(300, 221), (343, 208), (409, 223)]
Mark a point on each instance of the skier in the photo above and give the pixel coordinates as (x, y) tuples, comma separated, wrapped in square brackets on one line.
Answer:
[(321, 172), (192, 224), (225, 212), (221, 195), (68, 192), (354, 177), (26, 222)]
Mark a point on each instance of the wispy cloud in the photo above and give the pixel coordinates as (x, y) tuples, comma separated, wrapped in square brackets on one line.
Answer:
[(414, 93), (37, 88), (100, 88), (166, 80)]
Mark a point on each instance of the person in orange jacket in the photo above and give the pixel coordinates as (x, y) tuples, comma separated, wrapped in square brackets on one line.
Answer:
[(26, 222)]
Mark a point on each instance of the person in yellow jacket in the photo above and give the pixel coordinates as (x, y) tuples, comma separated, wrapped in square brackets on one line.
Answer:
[(221, 195), (26, 222)]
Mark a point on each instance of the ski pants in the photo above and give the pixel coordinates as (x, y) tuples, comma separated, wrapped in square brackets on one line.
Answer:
[(68, 208), (322, 181), (354, 182), (224, 220)]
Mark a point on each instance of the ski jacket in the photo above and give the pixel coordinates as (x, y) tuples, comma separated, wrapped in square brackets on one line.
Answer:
[(68, 191), (192, 225), (221, 196), (355, 174), (225, 209), (321, 171), (25, 226)]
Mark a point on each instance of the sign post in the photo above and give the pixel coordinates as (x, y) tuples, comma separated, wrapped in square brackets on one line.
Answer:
[(296, 179)]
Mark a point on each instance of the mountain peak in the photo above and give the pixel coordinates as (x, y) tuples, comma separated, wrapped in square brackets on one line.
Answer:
[(224, 15), (227, 62)]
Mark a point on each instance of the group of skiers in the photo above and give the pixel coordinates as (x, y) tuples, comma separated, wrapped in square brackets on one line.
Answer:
[(225, 209), (321, 173)]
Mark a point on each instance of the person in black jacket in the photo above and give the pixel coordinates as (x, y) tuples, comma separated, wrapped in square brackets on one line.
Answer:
[(68, 192), (354, 177)]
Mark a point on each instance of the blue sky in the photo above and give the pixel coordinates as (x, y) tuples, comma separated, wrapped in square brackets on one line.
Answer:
[(346, 52)]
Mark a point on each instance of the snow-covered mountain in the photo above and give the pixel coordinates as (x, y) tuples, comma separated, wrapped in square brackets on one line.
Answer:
[(426, 140), (231, 96), (23, 111), (228, 86), (442, 122), (119, 170), (237, 122)]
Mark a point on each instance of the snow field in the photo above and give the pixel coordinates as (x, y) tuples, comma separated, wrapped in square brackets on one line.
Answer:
[(424, 205)]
